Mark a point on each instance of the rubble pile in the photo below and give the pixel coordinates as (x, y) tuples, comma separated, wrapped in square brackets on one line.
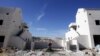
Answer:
[(87, 52)]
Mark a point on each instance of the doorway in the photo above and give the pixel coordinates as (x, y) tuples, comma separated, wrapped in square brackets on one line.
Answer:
[(96, 39), (2, 40)]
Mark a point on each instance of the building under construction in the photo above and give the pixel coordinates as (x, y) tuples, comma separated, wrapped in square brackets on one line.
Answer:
[(85, 32), (13, 31)]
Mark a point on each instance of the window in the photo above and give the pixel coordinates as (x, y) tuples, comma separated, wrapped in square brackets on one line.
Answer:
[(7, 13), (96, 39), (13, 21), (89, 13), (19, 27), (1, 22), (2, 38), (97, 22)]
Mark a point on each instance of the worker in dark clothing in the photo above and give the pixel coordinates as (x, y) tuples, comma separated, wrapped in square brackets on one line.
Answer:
[(49, 47)]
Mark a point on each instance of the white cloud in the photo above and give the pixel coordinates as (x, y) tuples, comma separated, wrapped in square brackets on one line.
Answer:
[(42, 12), (41, 29), (40, 16)]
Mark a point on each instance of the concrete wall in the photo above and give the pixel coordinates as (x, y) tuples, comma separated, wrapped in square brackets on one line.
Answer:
[(94, 29), (70, 35), (82, 22), (83, 28), (17, 42), (86, 27), (12, 24), (60, 42), (26, 35), (85, 20), (11, 21), (83, 42), (56, 43)]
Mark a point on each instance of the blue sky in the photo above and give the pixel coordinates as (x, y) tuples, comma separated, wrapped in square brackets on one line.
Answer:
[(49, 18)]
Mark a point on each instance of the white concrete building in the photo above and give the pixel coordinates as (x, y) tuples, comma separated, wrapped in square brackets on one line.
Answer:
[(13, 31), (71, 38), (88, 27)]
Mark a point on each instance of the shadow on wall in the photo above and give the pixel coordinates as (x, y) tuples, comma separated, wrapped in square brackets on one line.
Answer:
[(81, 47), (28, 45)]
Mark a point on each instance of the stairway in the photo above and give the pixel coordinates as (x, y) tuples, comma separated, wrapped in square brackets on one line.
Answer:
[(20, 32)]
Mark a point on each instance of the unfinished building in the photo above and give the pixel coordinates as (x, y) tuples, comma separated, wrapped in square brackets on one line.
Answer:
[(13, 31), (87, 28)]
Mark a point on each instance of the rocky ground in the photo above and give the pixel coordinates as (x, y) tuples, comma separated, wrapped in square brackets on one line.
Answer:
[(44, 53)]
